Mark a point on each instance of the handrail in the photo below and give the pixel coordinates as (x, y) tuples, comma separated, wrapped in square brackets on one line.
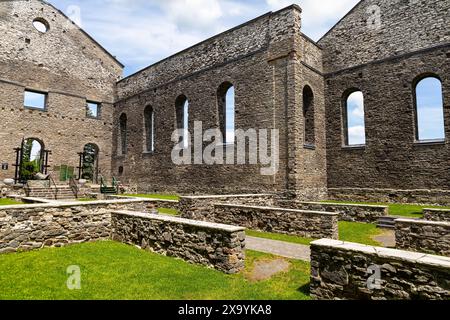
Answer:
[(103, 182), (74, 186), (116, 184), (50, 178)]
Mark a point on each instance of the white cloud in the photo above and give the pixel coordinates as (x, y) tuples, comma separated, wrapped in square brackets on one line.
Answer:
[(201, 15), (356, 135), (356, 103), (141, 32), (317, 16)]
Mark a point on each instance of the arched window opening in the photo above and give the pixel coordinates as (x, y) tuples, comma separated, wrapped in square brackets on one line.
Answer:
[(32, 160), (308, 116), (149, 129), (227, 111), (123, 134), (354, 126), (182, 116), (429, 110), (90, 162)]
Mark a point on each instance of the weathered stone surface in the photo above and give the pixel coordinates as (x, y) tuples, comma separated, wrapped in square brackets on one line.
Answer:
[(423, 236), (347, 212), (302, 223), (270, 62), (71, 68), (339, 270), (28, 227), (214, 245), (442, 215)]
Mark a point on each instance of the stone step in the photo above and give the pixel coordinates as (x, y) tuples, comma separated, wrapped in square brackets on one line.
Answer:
[(386, 222)]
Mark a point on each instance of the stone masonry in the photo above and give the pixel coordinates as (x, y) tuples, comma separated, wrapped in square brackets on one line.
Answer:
[(442, 215), (71, 68), (382, 48), (347, 212), (28, 227), (310, 224), (214, 245), (423, 236), (341, 270)]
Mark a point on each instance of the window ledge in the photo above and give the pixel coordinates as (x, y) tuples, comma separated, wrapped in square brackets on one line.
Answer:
[(148, 153), (354, 147), (430, 142), (36, 109), (309, 146)]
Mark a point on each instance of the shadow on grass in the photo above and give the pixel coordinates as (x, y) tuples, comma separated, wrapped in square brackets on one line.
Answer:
[(305, 289)]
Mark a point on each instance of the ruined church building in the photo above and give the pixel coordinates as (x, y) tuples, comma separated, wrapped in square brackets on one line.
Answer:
[(380, 51)]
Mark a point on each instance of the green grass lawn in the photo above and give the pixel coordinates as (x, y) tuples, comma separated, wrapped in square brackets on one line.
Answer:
[(168, 211), (155, 196), (348, 231), (9, 202), (279, 237), (359, 232), (111, 270), (398, 209)]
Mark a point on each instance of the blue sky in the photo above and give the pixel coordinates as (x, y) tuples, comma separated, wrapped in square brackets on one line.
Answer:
[(142, 32), (430, 112)]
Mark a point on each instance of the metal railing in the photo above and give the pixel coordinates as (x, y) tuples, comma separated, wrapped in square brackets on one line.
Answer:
[(74, 186), (52, 181)]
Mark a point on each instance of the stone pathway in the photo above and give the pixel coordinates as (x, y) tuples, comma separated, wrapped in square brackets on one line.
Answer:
[(279, 248), (387, 238), (264, 270)]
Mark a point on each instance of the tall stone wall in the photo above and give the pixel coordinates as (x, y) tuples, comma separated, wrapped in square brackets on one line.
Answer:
[(263, 60), (342, 270), (384, 58), (214, 245), (391, 158), (71, 68), (423, 236), (379, 29)]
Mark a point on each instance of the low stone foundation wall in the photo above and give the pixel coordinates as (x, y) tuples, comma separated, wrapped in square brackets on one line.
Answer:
[(347, 212), (28, 227), (442, 215), (214, 245), (156, 203), (204, 204), (424, 236), (438, 197), (310, 224), (342, 270)]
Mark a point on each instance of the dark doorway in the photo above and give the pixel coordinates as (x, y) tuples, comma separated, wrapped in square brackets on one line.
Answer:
[(89, 166)]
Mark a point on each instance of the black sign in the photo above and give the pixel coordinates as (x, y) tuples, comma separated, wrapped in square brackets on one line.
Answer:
[(4, 166)]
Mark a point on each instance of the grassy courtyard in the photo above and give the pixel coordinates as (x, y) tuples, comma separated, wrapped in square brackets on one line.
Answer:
[(111, 270), (9, 202), (348, 231), (398, 209)]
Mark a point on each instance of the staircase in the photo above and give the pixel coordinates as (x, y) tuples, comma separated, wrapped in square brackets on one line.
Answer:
[(109, 190), (387, 222), (105, 189), (62, 192)]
